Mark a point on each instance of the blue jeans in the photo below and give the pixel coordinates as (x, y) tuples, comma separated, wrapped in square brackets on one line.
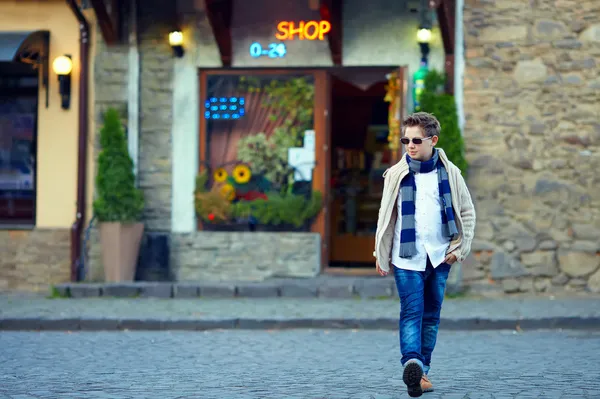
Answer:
[(421, 296)]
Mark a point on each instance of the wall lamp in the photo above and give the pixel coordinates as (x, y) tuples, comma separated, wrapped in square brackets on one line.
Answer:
[(176, 42), (63, 66), (424, 38)]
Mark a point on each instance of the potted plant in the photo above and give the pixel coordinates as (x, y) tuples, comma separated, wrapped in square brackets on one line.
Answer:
[(118, 204)]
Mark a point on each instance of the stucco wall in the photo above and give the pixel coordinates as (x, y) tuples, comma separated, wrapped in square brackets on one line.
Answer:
[(57, 128)]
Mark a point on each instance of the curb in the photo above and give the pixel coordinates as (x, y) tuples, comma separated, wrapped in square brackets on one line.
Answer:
[(126, 324)]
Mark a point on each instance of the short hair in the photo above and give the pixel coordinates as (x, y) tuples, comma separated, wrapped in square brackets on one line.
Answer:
[(428, 123)]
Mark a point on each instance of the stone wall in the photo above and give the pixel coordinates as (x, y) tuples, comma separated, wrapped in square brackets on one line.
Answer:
[(532, 107), (31, 260), (251, 256)]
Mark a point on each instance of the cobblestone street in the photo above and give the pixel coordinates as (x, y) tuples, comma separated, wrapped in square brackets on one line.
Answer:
[(293, 364)]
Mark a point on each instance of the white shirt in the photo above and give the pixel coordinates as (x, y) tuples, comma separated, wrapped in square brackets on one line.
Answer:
[(428, 225)]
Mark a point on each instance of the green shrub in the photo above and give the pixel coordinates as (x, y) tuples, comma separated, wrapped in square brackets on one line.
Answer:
[(443, 106), (287, 208), (118, 200)]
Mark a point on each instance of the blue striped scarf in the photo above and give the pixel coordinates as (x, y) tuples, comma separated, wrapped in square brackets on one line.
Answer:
[(408, 190)]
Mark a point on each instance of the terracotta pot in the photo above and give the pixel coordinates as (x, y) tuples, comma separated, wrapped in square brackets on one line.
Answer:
[(120, 244)]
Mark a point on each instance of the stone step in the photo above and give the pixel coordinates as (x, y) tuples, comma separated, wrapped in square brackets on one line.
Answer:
[(320, 287)]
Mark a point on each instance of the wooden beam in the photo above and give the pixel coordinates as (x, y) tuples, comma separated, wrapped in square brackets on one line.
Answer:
[(219, 13), (107, 20), (446, 15), (331, 10)]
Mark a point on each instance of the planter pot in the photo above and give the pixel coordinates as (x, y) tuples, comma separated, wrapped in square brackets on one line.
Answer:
[(120, 244), (225, 226), (282, 227)]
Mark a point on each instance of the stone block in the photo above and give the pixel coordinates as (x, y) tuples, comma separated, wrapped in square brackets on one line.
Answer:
[(532, 71), (121, 290), (299, 289), (591, 34), (258, 290), (373, 287), (506, 33), (183, 290), (83, 290), (504, 266), (510, 285), (550, 29), (156, 290), (217, 290), (583, 231), (594, 282), (339, 289), (578, 264)]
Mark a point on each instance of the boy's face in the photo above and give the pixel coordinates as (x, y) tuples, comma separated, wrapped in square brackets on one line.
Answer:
[(419, 152)]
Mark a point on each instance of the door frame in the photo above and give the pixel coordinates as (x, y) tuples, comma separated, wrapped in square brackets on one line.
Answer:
[(396, 156)]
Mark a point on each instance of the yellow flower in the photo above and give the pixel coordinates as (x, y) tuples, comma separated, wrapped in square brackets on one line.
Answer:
[(241, 174), (220, 175), (227, 191)]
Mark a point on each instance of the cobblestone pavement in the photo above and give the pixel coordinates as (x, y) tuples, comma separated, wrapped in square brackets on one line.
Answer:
[(526, 308), (293, 364)]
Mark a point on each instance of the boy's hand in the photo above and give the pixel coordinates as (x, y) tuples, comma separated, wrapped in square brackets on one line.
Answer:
[(381, 272), (450, 259)]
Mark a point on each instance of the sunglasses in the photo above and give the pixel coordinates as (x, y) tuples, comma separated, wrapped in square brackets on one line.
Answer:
[(417, 141)]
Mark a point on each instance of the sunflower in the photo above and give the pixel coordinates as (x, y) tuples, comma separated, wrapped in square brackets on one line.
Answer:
[(227, 191), (241, 174), (220, 175)]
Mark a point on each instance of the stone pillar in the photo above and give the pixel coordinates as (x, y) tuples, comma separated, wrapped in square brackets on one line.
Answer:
[(156, 98)]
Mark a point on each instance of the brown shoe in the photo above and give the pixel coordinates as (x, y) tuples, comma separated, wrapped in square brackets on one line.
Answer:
[(426, 385)]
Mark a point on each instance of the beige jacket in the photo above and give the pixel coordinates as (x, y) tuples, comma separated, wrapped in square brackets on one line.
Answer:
[(464, 212)]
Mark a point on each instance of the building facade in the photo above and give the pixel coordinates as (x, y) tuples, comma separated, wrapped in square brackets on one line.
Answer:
[(525, 79)]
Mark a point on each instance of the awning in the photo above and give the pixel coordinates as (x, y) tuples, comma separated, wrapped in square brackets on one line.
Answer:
[(30, 47)]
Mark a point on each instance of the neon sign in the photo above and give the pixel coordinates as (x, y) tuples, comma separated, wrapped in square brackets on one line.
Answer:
[(287, 31), (310, 30), (224, 108), (274, 50)]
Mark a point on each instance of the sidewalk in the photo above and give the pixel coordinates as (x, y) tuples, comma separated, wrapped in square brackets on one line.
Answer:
[(36, 312)]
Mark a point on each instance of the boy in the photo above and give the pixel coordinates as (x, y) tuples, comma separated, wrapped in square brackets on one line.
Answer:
[(426, 223)]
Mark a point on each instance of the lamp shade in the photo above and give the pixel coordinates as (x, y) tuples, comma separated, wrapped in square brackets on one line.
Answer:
[(424, 35), (62, 65), (176, 38)]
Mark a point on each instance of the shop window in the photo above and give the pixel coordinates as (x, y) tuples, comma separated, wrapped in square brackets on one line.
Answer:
[(18, 131), (258, 138)]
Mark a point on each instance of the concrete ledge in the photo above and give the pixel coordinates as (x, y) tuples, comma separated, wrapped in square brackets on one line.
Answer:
[(156, 324)]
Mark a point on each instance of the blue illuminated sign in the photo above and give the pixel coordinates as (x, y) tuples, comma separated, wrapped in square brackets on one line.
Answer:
[(226, 108), (273, 50)]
